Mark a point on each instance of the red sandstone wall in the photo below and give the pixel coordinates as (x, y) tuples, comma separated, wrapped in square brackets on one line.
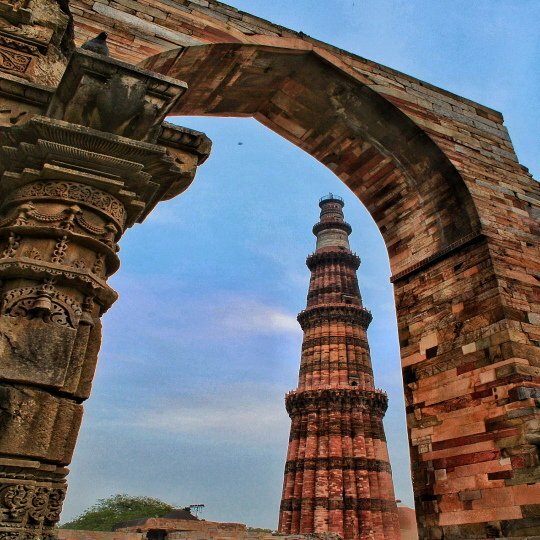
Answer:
[(407, 523), (68, 534)]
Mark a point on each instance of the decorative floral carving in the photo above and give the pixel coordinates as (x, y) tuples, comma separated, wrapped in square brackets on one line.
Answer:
[(14, 62), (73, 191), (33, 253), (40, 504), (80, 264), (16, 499), (30, 506), (60, 250), (56, 500), (44, 302)]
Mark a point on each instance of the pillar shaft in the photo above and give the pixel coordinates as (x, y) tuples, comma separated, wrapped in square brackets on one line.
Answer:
[(72, 181)]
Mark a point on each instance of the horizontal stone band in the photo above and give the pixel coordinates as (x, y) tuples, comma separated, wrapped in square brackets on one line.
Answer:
[(335, 340), (344, 257), (344, 313), (323, 225), (346, 503), (318, 366), (74, 192), (369, 430), (344, 464), (337, 288), (339, 399)]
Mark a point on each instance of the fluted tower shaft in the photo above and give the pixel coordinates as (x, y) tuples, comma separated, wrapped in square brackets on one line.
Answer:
[(337, 475)]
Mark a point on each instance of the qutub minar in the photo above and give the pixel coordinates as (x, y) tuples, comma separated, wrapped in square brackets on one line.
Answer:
[(337, 475)]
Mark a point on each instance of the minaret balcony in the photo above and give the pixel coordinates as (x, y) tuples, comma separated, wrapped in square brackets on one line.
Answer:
[(332, 257), (338, 399), (323, 225), (347, 313)]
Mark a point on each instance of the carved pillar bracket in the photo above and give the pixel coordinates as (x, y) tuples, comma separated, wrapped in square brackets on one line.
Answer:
[(72, 180)]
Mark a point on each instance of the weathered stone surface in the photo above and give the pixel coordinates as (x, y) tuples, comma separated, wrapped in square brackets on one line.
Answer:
[(38, 425), (35, 40), (33, 352), (458, 213), (71, 184), (92, 87)]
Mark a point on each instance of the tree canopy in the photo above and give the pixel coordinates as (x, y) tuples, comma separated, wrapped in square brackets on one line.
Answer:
[(121, 507)]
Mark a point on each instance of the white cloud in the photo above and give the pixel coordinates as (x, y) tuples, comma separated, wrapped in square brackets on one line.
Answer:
[(225, 413), (171, 313), (247, 316)]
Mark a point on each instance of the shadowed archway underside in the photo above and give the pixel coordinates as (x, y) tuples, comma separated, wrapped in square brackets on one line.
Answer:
[(392, 165)]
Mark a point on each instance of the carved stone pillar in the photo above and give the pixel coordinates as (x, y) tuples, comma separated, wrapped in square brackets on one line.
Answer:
[(72, 181)]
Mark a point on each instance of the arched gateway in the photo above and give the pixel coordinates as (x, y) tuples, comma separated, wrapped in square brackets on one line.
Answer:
[(87, 155)]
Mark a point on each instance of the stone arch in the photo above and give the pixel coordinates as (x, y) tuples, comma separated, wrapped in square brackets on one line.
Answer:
[(407, 183), (466, 296)]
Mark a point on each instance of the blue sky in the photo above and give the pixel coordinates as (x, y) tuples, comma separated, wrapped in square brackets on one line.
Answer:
[(203, 343)]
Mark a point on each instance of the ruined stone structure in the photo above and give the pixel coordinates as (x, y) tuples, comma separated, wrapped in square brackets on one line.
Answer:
[(438, 173), (337, 476), (95, 161)]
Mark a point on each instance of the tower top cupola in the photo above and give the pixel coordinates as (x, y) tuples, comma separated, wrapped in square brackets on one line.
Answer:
[(332, 231)]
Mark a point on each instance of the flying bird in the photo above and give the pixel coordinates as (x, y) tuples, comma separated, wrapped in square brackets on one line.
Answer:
[(97, 45)]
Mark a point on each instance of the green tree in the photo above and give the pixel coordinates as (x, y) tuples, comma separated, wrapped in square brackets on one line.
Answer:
[(106, 512)]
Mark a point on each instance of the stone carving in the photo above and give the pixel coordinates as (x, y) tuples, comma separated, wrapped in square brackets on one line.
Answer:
[(44, 302), (13, 244), (33, 253), (350, 314), (16, 55), (336, 399), (353, 464), (90, 92), (16, 11), (80, 264), (60, 250), (17, 499), (67, 193), (99, 265), (71, 192), (335, 340), (23, 503), (12, 61)]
